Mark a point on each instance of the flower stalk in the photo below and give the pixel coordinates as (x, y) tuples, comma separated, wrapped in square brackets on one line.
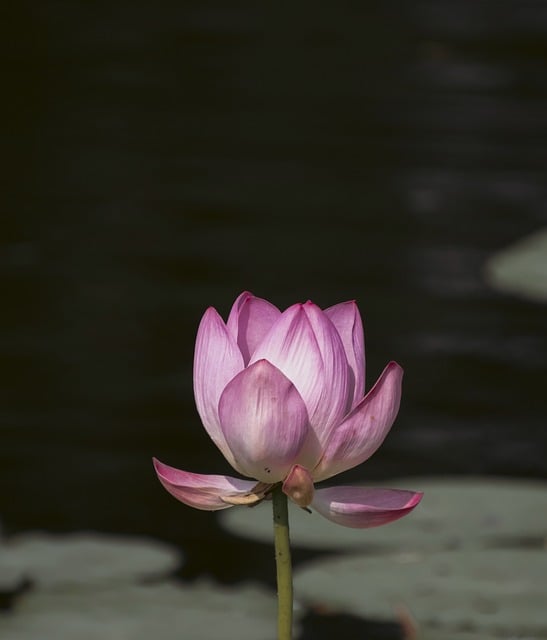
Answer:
[(283, 564)]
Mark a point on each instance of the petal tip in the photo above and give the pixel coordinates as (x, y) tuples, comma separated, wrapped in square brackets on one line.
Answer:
[(158, 465), (415, 500), (395, 366)]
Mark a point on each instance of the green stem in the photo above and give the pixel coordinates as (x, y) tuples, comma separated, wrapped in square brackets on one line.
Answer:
[(283, 563)]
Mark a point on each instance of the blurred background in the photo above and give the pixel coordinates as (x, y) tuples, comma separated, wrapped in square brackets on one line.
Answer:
[(163, 157)]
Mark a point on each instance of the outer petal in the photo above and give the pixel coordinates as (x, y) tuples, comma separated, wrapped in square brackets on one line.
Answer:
[(365, 428), (201, 491), (362, 508), (249, 321), (217, 360), (306, 347), (264, 421), (347, 320)]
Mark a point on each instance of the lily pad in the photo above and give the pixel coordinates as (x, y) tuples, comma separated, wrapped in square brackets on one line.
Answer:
[(140, 612), (84, 558), (495, 591), (521, 268), (456, 634), (454, 513)]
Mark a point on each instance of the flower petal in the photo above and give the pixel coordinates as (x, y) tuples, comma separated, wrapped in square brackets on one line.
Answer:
[(201, 491), (249, 321), (347, 320), (365, 428), (217, 360), (264, 421), (306, 347), (298, 485), (362, 508)]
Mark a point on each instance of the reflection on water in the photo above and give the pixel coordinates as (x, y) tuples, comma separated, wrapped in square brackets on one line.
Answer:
[(164, 159)]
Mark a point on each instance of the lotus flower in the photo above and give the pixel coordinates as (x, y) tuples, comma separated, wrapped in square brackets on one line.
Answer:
[(281, 394)]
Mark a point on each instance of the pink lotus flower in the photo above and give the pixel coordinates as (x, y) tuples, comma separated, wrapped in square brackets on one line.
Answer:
[(282, 397)]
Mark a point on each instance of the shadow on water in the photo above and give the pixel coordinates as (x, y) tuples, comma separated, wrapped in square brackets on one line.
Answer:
[(163, 160)]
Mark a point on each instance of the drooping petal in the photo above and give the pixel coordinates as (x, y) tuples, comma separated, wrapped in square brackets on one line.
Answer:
[(365, 428), (201, 491), (217, 359), (264, 421), (347, 320), (249, 321), (305, 346), (298, 485), (362, 508)]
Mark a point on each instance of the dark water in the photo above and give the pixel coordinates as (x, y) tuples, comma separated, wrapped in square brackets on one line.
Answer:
[(162, 157)]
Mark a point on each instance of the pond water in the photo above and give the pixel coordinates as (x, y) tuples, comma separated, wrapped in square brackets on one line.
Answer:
[(165, 157)]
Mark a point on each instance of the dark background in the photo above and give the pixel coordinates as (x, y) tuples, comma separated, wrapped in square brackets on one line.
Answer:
[(163, 157)]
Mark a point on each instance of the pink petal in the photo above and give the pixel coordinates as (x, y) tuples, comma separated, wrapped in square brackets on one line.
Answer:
[(362, 508), (201, 491), (365, 428), (217, 360), (298, 485), (249, 321), (347, 320), (264, 421), (306, 347)]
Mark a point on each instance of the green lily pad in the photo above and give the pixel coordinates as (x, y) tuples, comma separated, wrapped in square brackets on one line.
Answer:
[(495, 591), (456, 634), (140, 612), (454, 513), (521, 268), (83, 558)]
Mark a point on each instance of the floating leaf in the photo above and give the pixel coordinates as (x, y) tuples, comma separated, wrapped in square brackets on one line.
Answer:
[(456, 512), (84, 558), (521, 268), (140, 612), (498, 591)]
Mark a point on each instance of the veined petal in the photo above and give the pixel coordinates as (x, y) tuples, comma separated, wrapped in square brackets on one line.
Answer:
[(347, 320), (201, 491), (264, 421), (217, 359), (338, 390), (306, 347), (365, 428), (249, 321), (362, 508), (298, 485)]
